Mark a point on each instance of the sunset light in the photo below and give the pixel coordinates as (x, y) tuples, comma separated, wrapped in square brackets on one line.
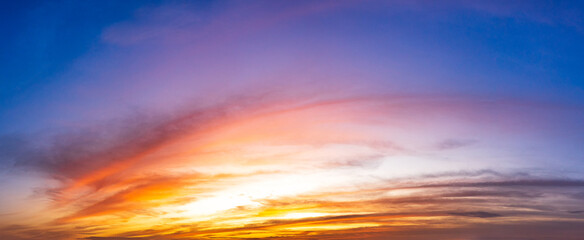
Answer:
[(374, 120)]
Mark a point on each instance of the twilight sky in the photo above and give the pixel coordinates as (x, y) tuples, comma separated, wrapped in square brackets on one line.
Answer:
[(323, 119)]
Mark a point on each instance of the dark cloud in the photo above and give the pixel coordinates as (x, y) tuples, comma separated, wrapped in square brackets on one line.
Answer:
[(544, 183), (492, 193), (122, 238), (538, 230), (73, 154), (482, 178), (494, 229), (476, 214), (579, 195), (467, 174), (21, 232)]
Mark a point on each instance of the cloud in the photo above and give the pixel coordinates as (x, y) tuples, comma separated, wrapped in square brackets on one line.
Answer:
[(476, 214), (300, 129), (21, 232), (91, 155), (238, 150), (455, 143), (143, 195), (542, 183), (121, 238)]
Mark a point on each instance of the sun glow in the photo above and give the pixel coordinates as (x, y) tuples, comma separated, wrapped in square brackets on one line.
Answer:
[(214, 205), (249, 194)]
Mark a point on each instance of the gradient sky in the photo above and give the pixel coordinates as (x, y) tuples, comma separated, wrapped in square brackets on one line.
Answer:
[(292, 120)]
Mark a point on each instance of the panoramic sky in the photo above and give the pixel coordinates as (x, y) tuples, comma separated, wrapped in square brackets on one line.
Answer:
[(406, 119)]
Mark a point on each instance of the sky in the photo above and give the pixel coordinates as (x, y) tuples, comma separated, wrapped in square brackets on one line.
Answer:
[(405, 119)]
